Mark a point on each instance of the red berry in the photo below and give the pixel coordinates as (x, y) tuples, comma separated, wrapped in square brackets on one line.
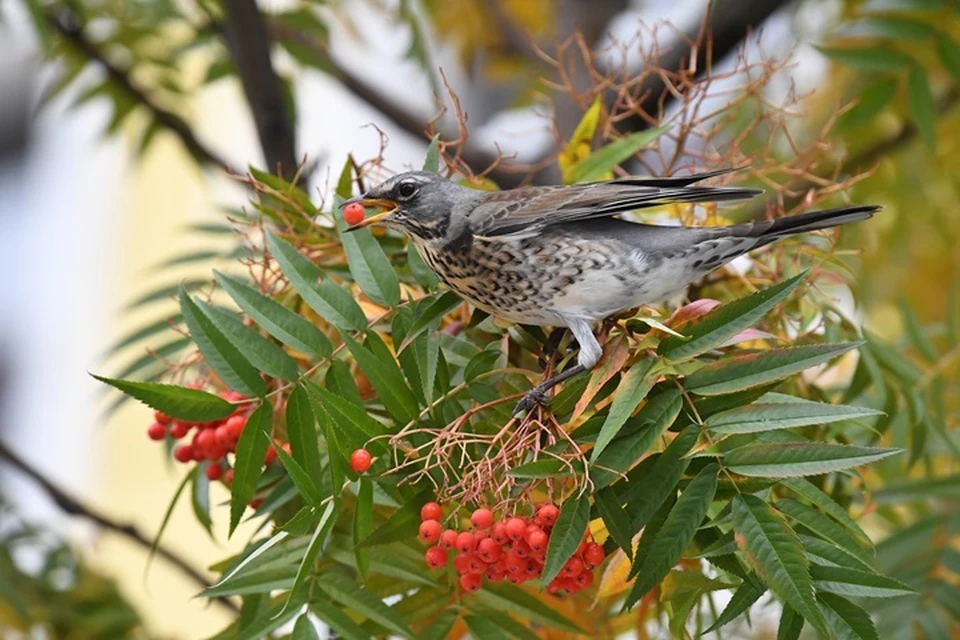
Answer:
[(224, 437), (489, 550), (471, 581), (495, 576), (179, 429), (547, 515), (554, 586), (228, 477), (499, 532), (516, 528), (255, 503), (521, 548), (436, 557), (475, 564), (538, 540), (214, 471), (481, 519), (206, 440), (360, 461), (430, 531), (515, 564), (448, 539), (183, 453), (157, 431), (533, 568), (234, 426), (466, 542), (431, 511), (573, 568), (584, 580), (461, 563), (271, 455), (161, 417), (593, 555), (354, 213)]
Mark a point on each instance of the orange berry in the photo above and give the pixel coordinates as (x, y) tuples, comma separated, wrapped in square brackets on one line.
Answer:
[(515, 564), (448, 539), (436, 557), (499, 532), (521, 548), (584, 580), (431, 511), (547, 515), (430, 531), (354, 213), (471, 581), (573, 568), (466, 542), (593, 555), (481, 519), (360, 461), (516, 528), (538, 540), (489, 550)]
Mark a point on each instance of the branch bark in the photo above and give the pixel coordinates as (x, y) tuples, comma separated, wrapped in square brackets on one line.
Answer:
[(67, 23), (249, 45), (72, 506)]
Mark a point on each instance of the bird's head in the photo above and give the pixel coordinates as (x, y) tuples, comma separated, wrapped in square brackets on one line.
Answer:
[(416, 202)]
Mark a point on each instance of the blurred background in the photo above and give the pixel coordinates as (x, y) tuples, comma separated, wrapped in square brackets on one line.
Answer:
[(117, 118)]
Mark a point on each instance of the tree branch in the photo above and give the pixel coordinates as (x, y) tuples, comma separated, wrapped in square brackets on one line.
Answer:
[(70, 505), (249, 45), (67, 23)]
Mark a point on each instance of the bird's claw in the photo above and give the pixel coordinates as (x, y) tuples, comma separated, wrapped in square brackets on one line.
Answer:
[(531, 399)]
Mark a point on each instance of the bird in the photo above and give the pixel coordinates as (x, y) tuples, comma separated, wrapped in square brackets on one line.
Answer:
[(560, 256)]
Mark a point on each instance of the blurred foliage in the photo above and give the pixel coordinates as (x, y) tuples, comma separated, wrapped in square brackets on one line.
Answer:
[(47, 591), (743, 484)]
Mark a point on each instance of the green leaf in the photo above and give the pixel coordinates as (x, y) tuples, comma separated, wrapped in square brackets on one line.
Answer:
[(857, 584), (480, 627), (790, 459), (724, 322), (922, 107), (262, 353), (897, 28), (354, 427), (347, 593), (369, 265), (616, 519), (846, 620), (200, 496), (917, 335), (567, 535), (949, 52), (248, 463), (676, 533), (434, 310), (305, 484), (511, 599), (481, 363), (283, 324), (823, 552), (146, 331), (791, 624), (871, 101), (868, 58), (633, 387), (331, 302), (440, 628), (191, 405), (774, 552), (734, 373), (386, 377), (431, 163), (337, 619), (363, 524), (402, 525), (317, 540), (661, 482), (303, 629), (636, 437), (155, 544), (220, 355), (742, 599), (761, 416), (808, 490), (302, 433), (547, 468), (945, 488), (600, 162), (268, 566), (825, 527)]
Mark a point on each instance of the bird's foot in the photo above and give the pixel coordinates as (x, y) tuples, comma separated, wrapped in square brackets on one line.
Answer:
[(531, 399)]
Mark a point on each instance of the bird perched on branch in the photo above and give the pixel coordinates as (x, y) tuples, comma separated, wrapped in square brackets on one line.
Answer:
[(558, 256)]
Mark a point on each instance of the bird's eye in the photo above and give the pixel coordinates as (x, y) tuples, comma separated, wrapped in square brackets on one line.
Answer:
[(406, 189)]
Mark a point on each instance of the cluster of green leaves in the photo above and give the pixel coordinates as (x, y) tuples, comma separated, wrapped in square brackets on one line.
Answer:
[(733, 473), (896, 48), (47, 589)]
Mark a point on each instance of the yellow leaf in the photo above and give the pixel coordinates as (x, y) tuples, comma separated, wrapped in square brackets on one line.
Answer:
[(614, 580), (578, 147)]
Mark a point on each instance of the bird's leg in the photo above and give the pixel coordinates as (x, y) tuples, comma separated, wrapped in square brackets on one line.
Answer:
[(590, 352)]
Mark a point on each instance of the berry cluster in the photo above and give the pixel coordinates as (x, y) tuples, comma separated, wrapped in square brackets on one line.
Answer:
[(211, 440), (511, 549)]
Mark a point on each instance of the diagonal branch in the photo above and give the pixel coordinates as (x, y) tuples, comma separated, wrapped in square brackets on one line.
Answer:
[(67, 23), (72, 506), (249, 45)]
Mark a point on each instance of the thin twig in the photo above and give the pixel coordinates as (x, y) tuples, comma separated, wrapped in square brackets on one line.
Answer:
[(72, 506)]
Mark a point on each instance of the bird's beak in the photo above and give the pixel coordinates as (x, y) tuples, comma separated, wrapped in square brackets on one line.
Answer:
[(386, 208)]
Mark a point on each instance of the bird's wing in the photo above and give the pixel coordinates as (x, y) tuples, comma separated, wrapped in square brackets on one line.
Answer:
[(528, 210)]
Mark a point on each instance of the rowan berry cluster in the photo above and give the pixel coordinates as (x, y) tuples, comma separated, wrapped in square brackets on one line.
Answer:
[(512, 548), (211, 441)]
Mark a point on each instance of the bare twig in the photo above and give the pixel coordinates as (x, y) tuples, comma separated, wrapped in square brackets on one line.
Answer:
[(72, 506), (249, 45), (67, 23)]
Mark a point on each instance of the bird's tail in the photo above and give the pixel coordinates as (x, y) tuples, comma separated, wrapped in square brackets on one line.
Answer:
[(812, 221)]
